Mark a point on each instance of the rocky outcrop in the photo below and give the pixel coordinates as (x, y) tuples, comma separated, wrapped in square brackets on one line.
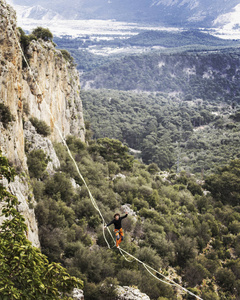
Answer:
[(54, 100), (11, 138), (77, 294), (56, 97), (22, 189), (33, 141), (130, 293)]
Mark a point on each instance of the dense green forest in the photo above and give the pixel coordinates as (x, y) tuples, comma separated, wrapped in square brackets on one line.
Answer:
[(193, 236), (191, 135), (205, 75)]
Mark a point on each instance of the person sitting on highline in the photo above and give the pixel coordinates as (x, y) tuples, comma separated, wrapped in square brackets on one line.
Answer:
[(117, 221)]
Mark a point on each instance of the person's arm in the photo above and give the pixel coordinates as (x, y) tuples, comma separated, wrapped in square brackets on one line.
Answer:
[(109, 224), (124, 216)]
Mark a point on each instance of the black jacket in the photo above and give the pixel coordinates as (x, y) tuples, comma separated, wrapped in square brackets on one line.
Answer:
[(117, 223)]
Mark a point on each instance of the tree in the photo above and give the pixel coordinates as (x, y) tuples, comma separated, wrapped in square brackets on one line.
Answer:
[(25, 272), (43, 33), (61, 184), (5, 115), (37, 163), (114, 150), (185, 249), (225, 185)]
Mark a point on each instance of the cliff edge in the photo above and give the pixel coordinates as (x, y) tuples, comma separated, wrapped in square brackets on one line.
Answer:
[(55, 100)]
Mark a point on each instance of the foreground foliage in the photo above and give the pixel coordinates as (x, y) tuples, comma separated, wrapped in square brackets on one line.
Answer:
[(25, 273)]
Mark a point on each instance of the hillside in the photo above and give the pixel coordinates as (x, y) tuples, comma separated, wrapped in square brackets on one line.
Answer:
[(90, 53), (191, 235), (185, 228), (206, 75), (196, 136), (177, 39)]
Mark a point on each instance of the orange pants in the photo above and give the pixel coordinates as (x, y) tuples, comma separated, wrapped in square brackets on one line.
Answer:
[(119, 236)]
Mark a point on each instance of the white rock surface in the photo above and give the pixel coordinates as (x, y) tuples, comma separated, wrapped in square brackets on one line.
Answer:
[(77, 294), (120, 175), (20, 188), (74, 184), (37, 141), (130, 293), (127, 208)]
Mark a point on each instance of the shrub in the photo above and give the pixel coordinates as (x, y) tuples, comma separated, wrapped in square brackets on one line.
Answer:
[(129, 277), (37, 163), (225, 278), (43, 33), (149, 256), (153, 168), (114, 150), (195, 188), (225, 185), (41, 126), (195, 273), (66, 55), (61, 184), (25, 39), (185, 248), (75, 144), (5, 115)]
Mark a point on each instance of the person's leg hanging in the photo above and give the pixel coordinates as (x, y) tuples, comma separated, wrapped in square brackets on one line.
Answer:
[(118, 239), (121, 235)]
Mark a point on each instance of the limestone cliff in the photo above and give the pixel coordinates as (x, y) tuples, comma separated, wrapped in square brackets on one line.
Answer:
[(59, 94)]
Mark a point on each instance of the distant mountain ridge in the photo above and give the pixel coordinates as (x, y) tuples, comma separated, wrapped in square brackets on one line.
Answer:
[(40, 13), (166, 12), (177, 39)]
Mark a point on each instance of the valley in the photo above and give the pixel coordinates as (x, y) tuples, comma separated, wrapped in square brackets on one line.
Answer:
[(153, 127)]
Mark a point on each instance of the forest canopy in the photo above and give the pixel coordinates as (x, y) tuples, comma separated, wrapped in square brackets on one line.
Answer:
[(189, 135)]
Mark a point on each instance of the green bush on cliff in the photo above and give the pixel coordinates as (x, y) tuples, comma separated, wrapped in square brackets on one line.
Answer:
[(37, 163), (43, 33), (41, 126), (25, 272), (5, 115), (25, 39), (66, 55)]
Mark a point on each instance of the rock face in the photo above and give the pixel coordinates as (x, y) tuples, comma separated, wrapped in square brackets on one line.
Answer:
[(130, 293), (33, 140), (77, 294), (54, 100)]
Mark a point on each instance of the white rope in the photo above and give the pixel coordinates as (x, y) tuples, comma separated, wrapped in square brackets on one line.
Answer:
[(156, 276), (95, 205), (128, 260), (168, 279)]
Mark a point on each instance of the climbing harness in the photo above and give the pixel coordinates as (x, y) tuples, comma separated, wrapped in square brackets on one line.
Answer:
[(94, 203)]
